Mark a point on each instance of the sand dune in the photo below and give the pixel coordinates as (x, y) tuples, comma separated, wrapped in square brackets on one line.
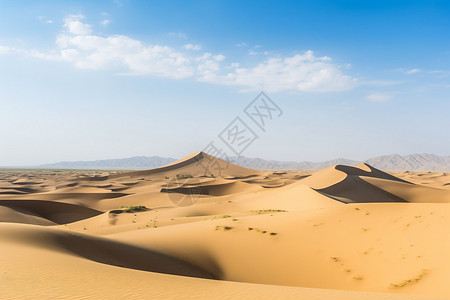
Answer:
[(25, 217), (357, 254), (195, 164), (96, 249), (341, 233), (55, 212), (38, 273), (414, 194)]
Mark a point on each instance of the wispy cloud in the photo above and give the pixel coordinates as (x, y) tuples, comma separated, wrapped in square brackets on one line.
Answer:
[(105, 22), (45, 20), (6, 50), (251, 52), (79, 46), (192, 47), (413, 71), (379, 97)]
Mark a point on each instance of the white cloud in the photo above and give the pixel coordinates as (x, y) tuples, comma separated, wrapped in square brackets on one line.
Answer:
[(303, 72), (192, 47), (124, 55), (413, 71), (45, 20), (105, 22), (251, 52), (241, 44), (75, 26), (378, 97), (7, 50), (219, 57)]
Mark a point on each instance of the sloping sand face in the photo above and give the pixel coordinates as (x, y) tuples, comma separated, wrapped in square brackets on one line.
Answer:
[(193, 230)]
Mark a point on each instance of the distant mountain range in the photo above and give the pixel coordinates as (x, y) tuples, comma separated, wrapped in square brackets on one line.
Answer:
[(413, 162), (135, 162), (395, 162), (261, 164)]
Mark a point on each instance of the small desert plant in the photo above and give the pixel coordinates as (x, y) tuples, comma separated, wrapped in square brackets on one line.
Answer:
[(410, 281), (267, 211), (184, 176), (273, 233), (132, 209), (359, 277), (335, 259), (226, 228), (219, 217), (259, 230)]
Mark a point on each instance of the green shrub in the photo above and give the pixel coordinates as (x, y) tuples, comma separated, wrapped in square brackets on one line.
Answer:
[(132, 209), (184, 176)]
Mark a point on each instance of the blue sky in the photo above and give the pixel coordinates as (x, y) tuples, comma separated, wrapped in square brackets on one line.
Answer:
[(82, 80)]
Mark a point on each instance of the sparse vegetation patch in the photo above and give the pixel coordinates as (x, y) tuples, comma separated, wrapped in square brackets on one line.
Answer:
[(410, 281), (132, 209), (184, 176), (222, 227), (219, 217), (267, 211), (335, 259)]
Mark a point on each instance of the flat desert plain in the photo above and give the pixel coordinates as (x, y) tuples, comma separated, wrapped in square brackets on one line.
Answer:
[(202, 228)]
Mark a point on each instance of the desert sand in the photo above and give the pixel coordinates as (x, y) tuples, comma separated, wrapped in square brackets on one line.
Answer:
[(202, 228)]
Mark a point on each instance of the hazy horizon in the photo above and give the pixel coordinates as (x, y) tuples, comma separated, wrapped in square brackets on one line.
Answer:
[(86, 81)]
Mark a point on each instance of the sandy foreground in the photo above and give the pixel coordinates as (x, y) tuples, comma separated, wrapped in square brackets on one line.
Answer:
[(201, 228)]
